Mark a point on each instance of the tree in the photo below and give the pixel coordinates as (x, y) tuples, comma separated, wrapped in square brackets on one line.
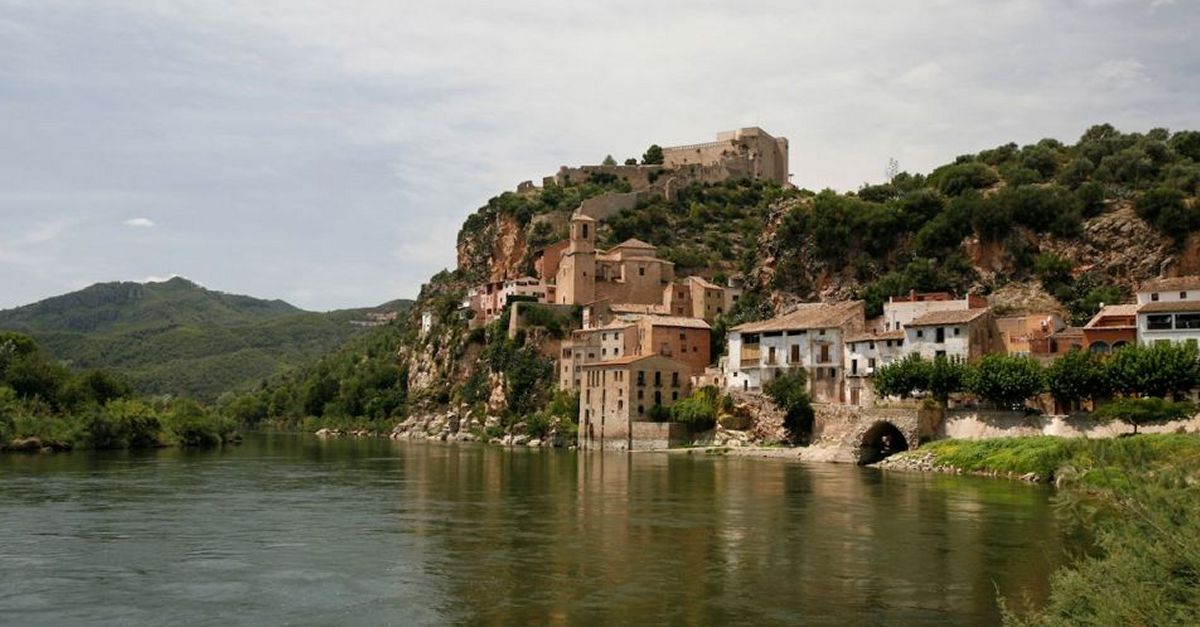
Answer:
[(1005, 380), (946, 377), (631, 161), (903, 377), (790, 394), (1166, 370), (1145, 411), (1161, 205), (1077, 376), (698, 410), (653, 155), (95, 386), (608, 160)]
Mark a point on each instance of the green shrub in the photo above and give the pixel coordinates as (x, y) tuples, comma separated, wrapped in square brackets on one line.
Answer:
[(699, 410), (790, 393)]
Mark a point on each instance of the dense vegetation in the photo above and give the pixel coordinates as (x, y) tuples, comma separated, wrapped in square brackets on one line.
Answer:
[(706, 229), (908, 233), (361, 384), (178, 338), (44, 404)]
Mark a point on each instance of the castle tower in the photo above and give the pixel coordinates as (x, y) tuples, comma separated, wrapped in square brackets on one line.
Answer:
[(576, 279)]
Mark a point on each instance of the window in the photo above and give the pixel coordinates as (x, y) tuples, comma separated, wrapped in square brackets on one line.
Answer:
[(871, 345), (620, 405), (640, 394), (853, 366), (683, 336), (674, 379), (674, 396), (1159, 322), (1187, 321), (956, 329), (641, 409), (920, 333), (870, 363), (641, 271), (641, 377), (1154, 296), (657, 378), (584, 230), (1183, 296), (822, 332), (603, 352)]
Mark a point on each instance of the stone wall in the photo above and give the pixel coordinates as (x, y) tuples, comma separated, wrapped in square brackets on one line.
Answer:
[(981, 424), (652, 436), (607, 205)]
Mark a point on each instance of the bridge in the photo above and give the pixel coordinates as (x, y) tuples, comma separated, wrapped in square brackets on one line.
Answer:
[(873, 433)]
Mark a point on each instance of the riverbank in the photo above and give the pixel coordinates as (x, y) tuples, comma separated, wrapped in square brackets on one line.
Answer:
[(1051, 459)]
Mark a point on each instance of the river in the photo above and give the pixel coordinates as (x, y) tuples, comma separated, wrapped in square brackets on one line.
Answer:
[(290, 529)]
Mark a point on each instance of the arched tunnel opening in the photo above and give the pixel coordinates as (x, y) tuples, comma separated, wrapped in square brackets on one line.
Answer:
[(880, 441)]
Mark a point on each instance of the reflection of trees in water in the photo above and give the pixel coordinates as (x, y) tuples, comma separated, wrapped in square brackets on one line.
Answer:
[(548, 536)]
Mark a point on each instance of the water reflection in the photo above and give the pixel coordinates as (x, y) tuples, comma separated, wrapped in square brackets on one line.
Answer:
[(341, 531)]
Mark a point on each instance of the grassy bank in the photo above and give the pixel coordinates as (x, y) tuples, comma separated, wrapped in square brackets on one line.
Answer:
[(1134, 504), (1051, 457)]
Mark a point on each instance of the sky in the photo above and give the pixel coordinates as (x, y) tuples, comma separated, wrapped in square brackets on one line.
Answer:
[(326, 153)]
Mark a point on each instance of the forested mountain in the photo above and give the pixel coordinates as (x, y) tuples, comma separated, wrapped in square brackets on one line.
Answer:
[(176, 337)]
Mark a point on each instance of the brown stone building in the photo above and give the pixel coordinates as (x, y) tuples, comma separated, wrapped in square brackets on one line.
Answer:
[(698, 297), (618, 398), (747, 152), (629, 272), (686, 340)]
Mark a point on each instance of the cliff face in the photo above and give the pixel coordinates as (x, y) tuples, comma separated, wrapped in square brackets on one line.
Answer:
[(494, 252)]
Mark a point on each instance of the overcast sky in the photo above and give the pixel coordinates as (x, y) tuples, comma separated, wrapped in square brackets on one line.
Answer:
[(327, 152)]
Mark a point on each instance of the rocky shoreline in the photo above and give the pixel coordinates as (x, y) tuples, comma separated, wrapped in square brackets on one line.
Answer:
[(918, 461)]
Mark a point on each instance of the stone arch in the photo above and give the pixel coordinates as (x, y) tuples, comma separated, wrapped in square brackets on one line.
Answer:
[(879, 441), (1099, 347)]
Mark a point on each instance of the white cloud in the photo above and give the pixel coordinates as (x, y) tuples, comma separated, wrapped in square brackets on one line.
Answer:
[(345, 146), (1122, 74)]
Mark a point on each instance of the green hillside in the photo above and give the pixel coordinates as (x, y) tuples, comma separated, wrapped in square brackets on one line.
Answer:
[(176, 337)]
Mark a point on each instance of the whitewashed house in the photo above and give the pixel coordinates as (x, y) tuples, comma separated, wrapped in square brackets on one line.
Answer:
[(965, 334), (865, 352), (810, 337), (1169, 310)]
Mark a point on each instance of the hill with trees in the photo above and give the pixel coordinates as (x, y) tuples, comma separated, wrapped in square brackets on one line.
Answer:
[(178, 338), (1043, 226)]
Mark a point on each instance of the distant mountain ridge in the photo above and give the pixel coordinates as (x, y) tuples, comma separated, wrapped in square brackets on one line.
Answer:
[(104, 306), (176, 337)]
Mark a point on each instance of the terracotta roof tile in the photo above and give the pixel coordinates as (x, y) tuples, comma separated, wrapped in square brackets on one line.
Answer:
[(1166, 306), (807, 316), (953, 316)]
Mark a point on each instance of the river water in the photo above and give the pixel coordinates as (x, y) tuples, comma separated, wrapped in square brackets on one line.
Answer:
[(296, 530)]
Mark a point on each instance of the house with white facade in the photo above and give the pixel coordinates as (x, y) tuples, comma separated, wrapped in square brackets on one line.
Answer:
[(865, 352), (966, 334), (810, 337), (1169, 310), (901, 310)]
